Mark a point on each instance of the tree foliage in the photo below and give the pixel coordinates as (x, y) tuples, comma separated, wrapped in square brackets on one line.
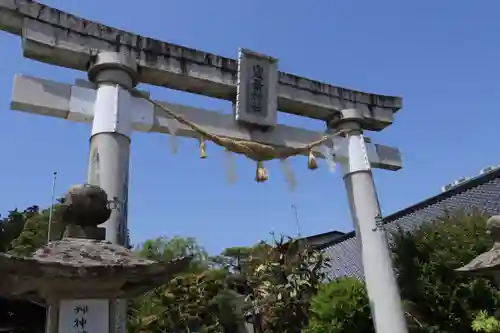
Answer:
[(192, 302), (437, 297), (341, 306), (272, 283), (279, 285), (279, 280), (22, 232), (12, 225), (485, 323), (35, 230), (198, 300), (165, 249)]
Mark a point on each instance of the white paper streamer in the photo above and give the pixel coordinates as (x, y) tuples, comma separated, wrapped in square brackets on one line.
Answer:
[(328, 154), (173, 144), (173, 127), (230, 167), (290, 179)]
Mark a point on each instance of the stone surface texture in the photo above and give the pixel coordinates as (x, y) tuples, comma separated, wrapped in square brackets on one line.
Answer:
[(54, 36), (85, 205), (81, 267), (487, 263)]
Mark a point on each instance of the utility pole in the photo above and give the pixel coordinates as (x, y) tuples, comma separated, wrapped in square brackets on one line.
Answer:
[(51, 209)]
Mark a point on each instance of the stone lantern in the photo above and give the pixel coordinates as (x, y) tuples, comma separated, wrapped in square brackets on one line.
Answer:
[(487, 263), (81, 276)]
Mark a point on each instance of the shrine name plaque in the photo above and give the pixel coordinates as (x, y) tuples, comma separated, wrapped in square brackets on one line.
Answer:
[(256, 99), (84, 316)]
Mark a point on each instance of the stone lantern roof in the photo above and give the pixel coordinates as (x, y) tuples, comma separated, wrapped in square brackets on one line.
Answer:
[(488, 262), (78, 267)]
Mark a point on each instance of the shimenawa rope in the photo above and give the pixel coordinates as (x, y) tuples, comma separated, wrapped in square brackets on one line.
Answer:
[(255, 151)]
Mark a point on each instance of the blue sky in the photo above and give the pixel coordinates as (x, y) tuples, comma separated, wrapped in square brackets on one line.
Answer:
[(442, 57)]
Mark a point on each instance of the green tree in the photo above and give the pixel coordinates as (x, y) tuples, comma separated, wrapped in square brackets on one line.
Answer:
[(280, 279), (341, 306), (240, 262), (272, 282), (35, 230), (198, 300), (12, 226), (166, 249), (437, 297), (22, 232), (189, 303)]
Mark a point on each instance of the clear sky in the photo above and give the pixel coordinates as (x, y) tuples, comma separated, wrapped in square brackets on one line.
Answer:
[(442, 57)]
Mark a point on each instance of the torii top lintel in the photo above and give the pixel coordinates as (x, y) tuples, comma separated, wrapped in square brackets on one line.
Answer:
[(59, 38)]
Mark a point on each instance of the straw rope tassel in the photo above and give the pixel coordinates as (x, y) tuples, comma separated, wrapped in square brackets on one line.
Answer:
[(261, 174), (312, 164), (203, 152), (253, 150)]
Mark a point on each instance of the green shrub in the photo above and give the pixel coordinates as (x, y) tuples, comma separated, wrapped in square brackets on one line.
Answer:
[(483, 322), (341, 306), (438, 298)]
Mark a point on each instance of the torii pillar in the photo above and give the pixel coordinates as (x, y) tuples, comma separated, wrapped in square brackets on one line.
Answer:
[(380, 281), (114, 74)]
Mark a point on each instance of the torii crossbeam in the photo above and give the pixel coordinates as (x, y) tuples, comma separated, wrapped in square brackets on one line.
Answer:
[(76, 103)]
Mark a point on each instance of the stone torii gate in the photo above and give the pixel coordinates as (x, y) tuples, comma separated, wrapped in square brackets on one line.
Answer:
[(116, 61)]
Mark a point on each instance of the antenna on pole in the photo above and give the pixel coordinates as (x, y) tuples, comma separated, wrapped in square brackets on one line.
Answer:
[(295, 209), (51, 209)]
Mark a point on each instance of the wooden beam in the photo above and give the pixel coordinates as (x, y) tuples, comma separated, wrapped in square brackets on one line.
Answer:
[(75, 102)]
